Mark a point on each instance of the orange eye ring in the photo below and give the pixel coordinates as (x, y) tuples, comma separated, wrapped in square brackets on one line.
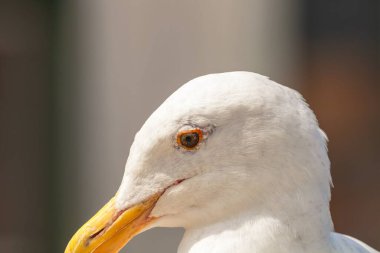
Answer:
[(189, 139)]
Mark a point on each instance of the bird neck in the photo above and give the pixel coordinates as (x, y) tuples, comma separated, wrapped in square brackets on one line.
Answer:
[(294, 227)]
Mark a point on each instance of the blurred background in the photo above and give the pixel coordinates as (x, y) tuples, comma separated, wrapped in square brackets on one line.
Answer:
[(79, 78)]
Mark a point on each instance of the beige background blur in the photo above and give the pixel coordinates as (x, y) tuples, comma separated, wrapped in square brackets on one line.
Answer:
[(79, 78)]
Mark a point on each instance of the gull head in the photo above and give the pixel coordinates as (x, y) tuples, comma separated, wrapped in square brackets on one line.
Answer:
[(220, 145)]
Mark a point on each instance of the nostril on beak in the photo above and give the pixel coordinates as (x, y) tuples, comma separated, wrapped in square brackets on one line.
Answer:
[(94, 235)]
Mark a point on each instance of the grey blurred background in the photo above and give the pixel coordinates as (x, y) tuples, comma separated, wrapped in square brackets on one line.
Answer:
[(79, 78)]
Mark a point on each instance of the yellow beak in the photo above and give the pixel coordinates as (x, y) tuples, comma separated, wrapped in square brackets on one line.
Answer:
[(111, 229)]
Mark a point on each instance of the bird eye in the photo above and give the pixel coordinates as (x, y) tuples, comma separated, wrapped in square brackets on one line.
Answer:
[(189, 139)]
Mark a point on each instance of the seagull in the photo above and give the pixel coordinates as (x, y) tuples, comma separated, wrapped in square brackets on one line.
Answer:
[(237, 160)]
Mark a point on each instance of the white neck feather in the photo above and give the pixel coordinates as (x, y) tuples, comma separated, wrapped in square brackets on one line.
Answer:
[(280, 227)]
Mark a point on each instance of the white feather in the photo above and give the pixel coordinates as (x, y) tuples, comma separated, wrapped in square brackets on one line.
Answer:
[(260, 182)]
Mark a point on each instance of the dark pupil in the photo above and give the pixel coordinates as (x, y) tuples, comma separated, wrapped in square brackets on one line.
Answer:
[(190, 140)]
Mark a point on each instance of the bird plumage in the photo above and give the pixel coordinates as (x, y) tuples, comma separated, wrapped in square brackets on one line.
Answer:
[(261, 182), (258, 180)]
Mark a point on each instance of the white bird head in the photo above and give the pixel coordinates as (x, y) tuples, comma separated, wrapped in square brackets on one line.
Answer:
[(220, 145)]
